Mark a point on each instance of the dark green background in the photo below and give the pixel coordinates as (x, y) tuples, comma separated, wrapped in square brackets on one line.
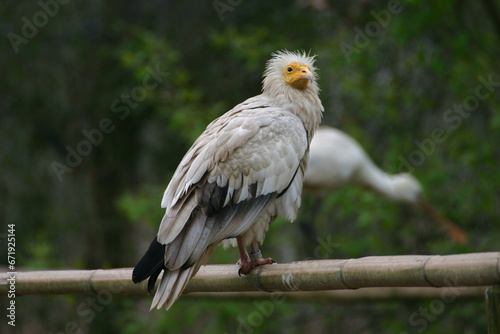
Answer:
[(390, 93)]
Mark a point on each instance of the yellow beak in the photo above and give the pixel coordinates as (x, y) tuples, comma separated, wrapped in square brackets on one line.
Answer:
[(301, 78), (306, 74)]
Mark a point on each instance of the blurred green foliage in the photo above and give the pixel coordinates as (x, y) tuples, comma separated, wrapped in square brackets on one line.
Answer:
[(89, 62)]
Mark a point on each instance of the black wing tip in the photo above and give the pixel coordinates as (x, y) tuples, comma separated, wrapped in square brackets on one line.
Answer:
[(139, 274), (136, 279), (150, 265), (152, 278)]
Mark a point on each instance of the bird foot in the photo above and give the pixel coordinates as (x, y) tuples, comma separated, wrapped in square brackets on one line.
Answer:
[(249, 261), (247, 266)]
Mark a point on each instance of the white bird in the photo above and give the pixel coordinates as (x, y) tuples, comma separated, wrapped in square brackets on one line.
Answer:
[(243, 171), (335, 160)]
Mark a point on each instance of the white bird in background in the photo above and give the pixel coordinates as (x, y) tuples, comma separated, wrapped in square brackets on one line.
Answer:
[(335, 160), (244, 170)]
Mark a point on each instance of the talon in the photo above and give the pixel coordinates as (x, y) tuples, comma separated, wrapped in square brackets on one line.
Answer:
[(249, 261), (244, 271), (246, 268)]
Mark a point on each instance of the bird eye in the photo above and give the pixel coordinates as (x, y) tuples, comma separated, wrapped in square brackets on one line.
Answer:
[(289, 69)]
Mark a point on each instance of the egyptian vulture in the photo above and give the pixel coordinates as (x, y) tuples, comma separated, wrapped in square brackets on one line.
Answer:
[(335, 160), (244, 170)]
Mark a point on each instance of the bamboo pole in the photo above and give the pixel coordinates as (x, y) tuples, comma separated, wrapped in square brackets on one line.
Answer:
[(493, 309), (358, 295), (475, 269)]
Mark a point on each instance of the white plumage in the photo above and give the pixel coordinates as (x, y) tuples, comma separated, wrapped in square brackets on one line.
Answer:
[(335, 160), (243, 171)]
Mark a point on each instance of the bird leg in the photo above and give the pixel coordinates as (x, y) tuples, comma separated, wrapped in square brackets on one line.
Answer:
[(249, 261), (453, 231)]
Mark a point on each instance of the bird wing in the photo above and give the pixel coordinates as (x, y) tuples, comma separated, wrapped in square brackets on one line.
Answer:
[(241, 162)]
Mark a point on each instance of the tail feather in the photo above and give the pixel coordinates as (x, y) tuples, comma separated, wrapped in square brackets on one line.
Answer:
[(170, 288), (181, 257), (151, 265), (173, 282), (154, 277)]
